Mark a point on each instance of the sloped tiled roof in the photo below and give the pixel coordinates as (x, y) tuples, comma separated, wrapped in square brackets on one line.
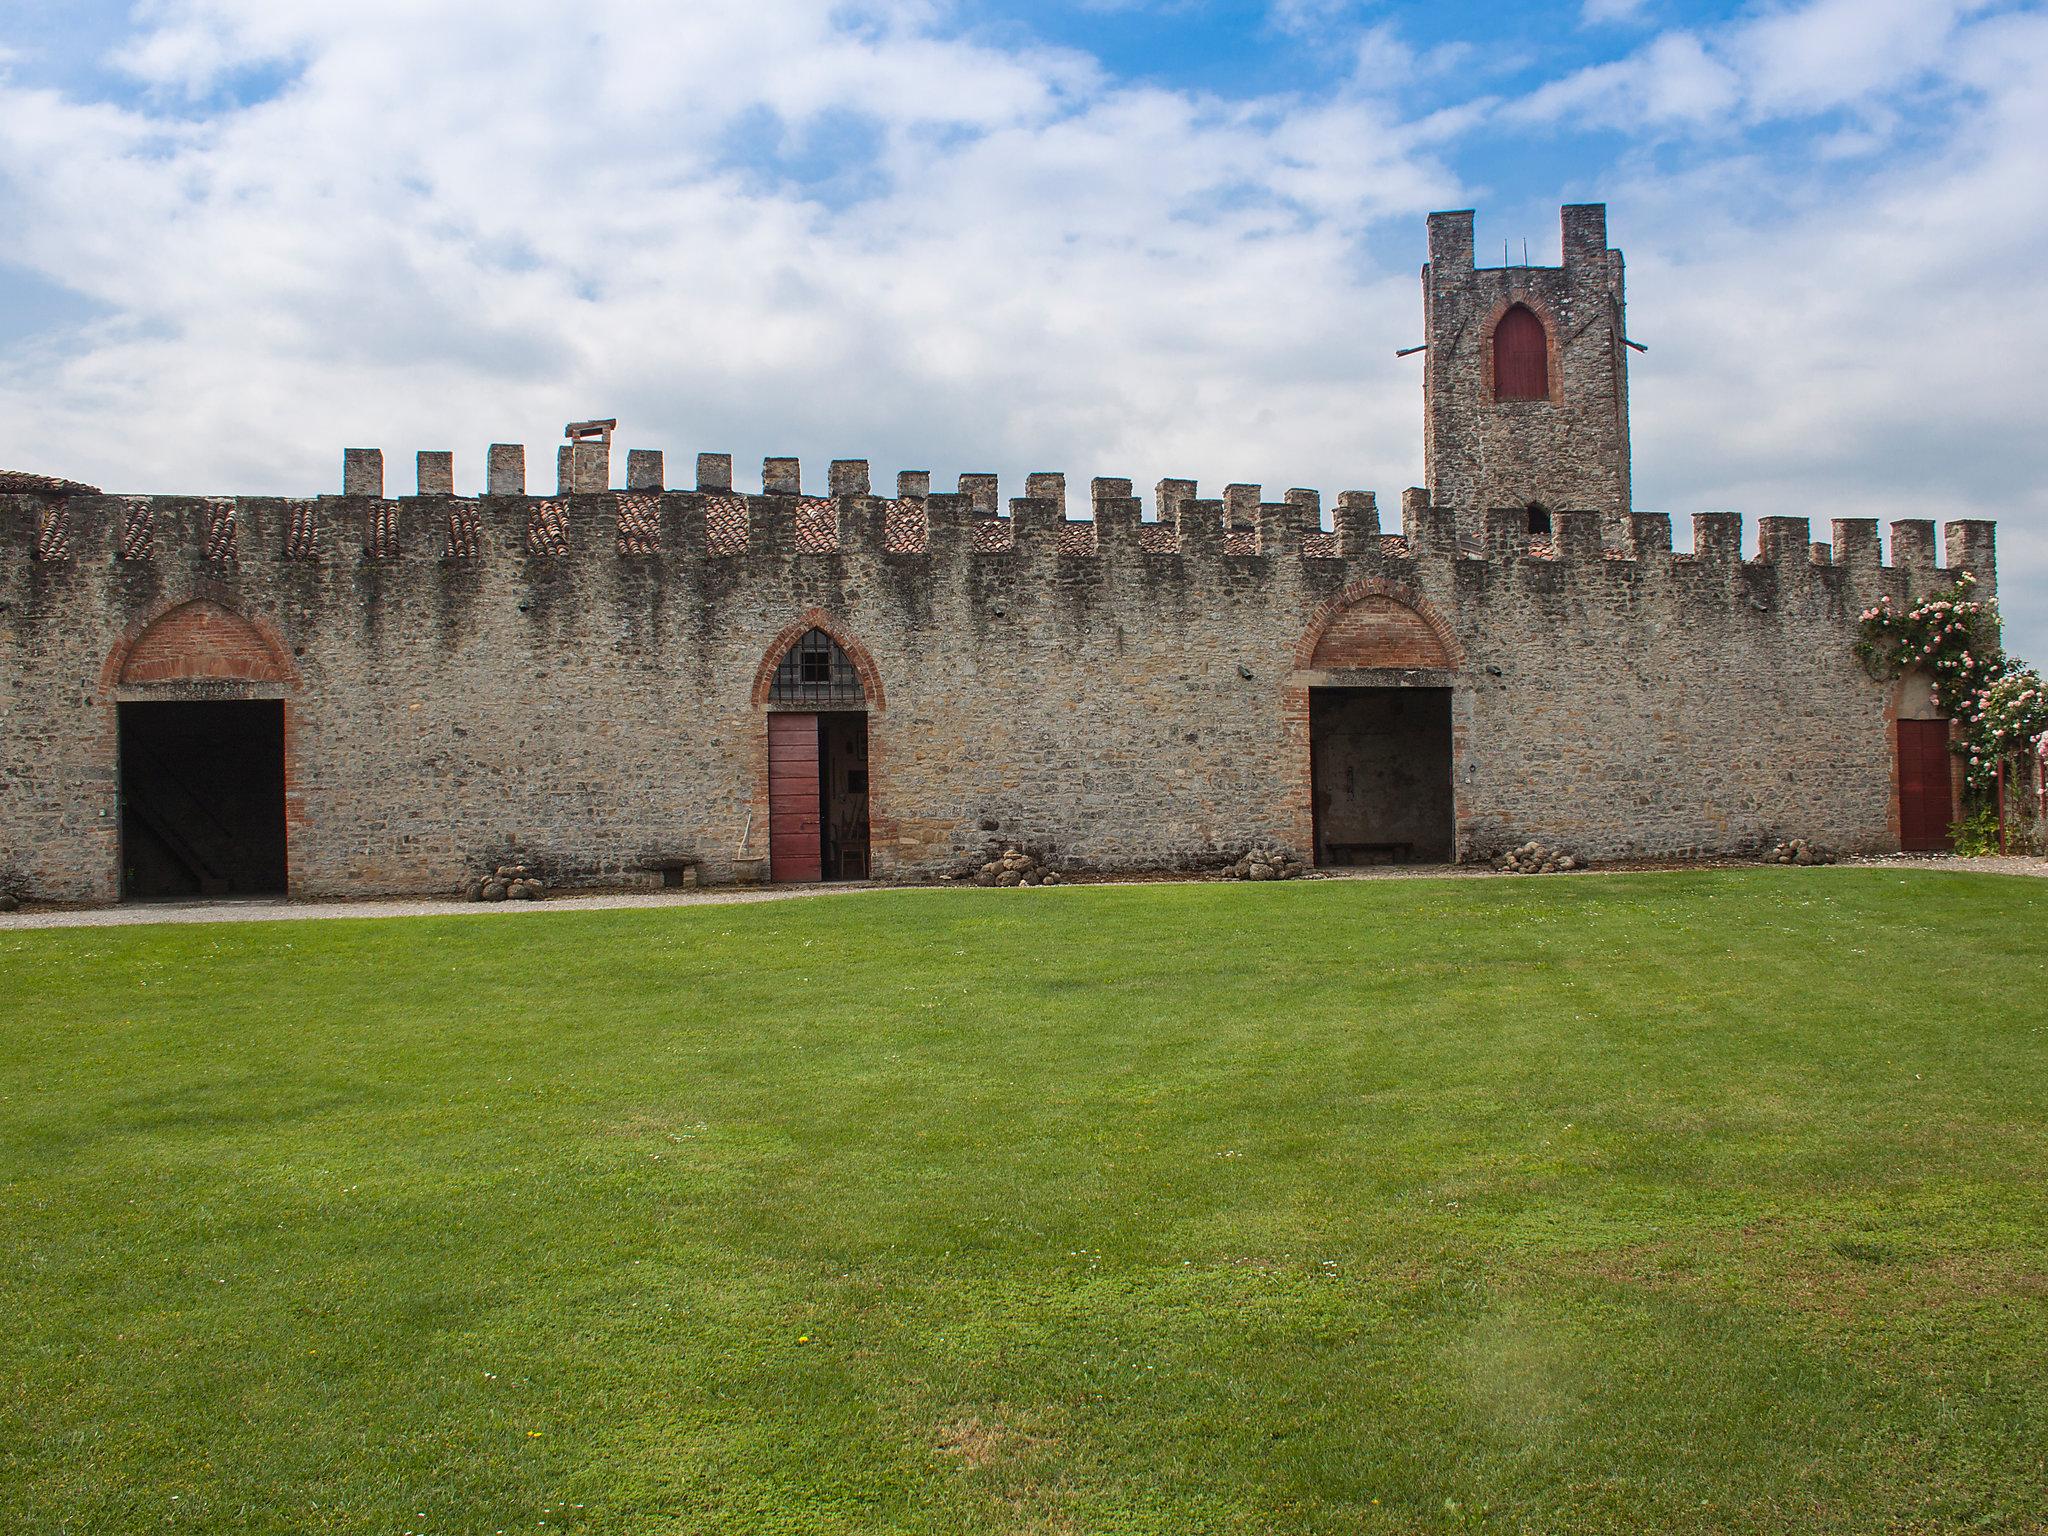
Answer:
[(14, 482), (815, 526)]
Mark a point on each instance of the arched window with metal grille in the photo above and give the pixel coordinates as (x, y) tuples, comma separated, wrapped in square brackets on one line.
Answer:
[(817, 673), (1521, 356)]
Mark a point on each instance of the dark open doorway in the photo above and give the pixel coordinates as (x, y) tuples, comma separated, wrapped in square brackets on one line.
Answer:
[(843, 792), (1380, 760), (202, 799), (818, 796)]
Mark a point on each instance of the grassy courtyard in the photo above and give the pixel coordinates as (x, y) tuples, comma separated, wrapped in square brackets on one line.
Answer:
[(1706, 1202)]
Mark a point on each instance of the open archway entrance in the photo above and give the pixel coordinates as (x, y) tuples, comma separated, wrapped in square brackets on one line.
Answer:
[(817, 764), (202, 798), (1380, 762), (1378, 668), (200, 725)]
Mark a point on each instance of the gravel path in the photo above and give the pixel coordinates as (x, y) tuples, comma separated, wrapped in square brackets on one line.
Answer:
[(261, 910)]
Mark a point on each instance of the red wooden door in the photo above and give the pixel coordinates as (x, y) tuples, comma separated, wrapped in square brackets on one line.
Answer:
[(1925, 792), (794, 850)]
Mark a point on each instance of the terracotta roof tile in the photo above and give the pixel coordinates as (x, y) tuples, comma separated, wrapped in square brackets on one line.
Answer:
[(640, 523), (20, 481), (904, 529), (725, 525), (817, 525)]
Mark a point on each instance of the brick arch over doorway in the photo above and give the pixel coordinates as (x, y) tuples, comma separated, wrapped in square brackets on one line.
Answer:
[(1377, 623), (816, 618), (198, 641)]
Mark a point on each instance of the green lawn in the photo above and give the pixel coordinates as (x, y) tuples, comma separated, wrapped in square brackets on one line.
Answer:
[(1696, 1202)]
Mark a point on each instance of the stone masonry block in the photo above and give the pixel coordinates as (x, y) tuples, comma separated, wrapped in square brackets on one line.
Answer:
[(644, 469), (436, 469), (505, 472), (362, 472)]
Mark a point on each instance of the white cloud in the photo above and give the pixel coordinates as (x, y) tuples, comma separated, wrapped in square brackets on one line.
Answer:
[(474, 224), (1604, 12), (1673, 79), (462, 222), (1827, 52), (1785, 61), (1304, 18), (1861, 344)]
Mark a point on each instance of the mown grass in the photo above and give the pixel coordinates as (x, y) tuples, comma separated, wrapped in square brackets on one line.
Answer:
[(1711, 1202)]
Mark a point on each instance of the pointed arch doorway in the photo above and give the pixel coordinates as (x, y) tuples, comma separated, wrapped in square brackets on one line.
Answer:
[(818, 824)]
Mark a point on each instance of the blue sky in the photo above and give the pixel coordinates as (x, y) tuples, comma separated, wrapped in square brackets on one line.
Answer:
[(1113, 238)]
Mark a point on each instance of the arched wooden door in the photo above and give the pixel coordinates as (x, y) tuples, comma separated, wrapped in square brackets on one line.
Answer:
[(817, 764)]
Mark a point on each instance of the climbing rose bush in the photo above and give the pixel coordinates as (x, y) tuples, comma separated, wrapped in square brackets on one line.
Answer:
[(2010, 716), (2000, 703)]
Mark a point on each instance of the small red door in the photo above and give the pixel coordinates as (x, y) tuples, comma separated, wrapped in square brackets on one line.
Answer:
[(1926, 794), (794, 848)]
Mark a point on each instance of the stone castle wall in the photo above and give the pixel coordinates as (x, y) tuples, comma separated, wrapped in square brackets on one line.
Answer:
[(582, 676)]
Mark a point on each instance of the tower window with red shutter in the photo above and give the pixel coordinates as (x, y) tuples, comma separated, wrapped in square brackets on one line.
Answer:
[(1521, 356)]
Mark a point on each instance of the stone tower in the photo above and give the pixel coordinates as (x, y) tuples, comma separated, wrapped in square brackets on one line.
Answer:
[(1525, 386)]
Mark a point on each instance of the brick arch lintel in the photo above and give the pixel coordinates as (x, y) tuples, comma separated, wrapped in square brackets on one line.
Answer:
[(1534, 303), (1376, 586), (277, 667), (817, 618)]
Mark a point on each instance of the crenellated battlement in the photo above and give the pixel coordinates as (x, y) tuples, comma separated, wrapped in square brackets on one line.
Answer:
[(586, 518), (383, 692)]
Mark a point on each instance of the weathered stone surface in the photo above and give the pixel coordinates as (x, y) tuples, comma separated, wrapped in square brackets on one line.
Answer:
[(1570, 451), (1137, 710), (1133, 695)]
